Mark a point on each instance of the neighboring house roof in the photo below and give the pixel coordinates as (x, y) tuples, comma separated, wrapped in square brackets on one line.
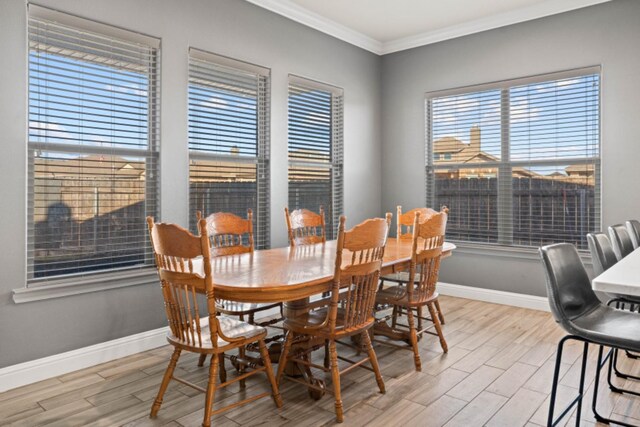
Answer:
[(449, 144), (471, 153)]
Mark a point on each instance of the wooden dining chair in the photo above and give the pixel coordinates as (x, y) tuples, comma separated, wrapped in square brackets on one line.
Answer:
[(404, 230), (231, 235), (420, 288), (305, 227), (184, 267), (359, 254)]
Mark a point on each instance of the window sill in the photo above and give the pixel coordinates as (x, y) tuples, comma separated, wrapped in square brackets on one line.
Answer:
[(497, 251), (81, 285)]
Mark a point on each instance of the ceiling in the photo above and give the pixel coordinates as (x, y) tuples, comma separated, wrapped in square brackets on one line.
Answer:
[(385, 26)]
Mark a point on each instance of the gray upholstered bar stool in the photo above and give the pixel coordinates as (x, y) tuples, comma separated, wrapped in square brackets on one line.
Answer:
[(633, 227), (603, 257), (621, 240), (578, 310)]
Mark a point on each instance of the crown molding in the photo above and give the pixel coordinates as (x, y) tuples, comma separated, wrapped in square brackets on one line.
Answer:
[(290, 10), (304, 16), (540, 10)]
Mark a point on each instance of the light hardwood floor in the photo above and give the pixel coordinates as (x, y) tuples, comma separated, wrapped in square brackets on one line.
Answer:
[(497, 373)]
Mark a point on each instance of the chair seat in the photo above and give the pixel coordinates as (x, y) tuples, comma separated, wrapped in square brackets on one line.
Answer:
[(609, 326), (397, 295), (238, 308), (309, 323), (229, 327)]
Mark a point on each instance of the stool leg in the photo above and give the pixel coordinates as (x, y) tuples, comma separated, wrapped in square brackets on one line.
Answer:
[(554, 386), (583, 370)]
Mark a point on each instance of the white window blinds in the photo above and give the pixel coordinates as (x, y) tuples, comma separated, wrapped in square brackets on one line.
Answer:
[(92, 143), (518, 162), (315, 149), (229, 139)]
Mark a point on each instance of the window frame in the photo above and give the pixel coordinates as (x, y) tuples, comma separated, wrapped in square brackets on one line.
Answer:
[(336, 164), (60, 285), (261, 215), (505, 245)]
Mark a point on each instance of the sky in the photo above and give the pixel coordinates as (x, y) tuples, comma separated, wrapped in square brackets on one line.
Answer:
[(550, 120)]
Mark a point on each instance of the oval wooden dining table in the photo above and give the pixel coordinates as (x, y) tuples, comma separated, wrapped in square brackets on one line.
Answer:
[(293, 273)]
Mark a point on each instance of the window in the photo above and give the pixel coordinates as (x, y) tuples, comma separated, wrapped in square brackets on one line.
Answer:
[(229, 139), (92, 146), (524, 162), (315, 149)]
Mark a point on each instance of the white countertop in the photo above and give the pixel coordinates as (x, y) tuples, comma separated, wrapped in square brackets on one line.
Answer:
[(623, 278)]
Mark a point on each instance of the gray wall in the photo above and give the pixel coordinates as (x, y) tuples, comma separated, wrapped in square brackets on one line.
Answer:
[(607, 34), (228, 27)]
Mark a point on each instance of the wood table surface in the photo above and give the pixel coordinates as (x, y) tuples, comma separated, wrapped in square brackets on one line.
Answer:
[(293, 273)]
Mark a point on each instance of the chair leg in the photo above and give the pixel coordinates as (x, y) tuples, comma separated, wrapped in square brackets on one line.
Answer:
[(202, 359), (223, 370), (394, 316), (165, 382), (373, 360), (240, 369), (414, 340), (241, 354), (335, 375), (282, 363), (419, 315), (211, 391), (436, 323), (269, 371), (440, 315), (326, 354)]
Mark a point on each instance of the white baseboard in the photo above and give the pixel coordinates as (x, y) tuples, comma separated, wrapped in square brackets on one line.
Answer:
[(63, 363), (497, 297), (60, 364)]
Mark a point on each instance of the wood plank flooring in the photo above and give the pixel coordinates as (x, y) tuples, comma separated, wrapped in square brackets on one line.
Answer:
[(497, 373)]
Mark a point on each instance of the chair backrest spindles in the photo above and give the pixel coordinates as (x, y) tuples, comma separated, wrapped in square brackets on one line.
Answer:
[(426, 252), (404, 222), (177, 253), (305, 227), (363, 246), (229, 234)]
